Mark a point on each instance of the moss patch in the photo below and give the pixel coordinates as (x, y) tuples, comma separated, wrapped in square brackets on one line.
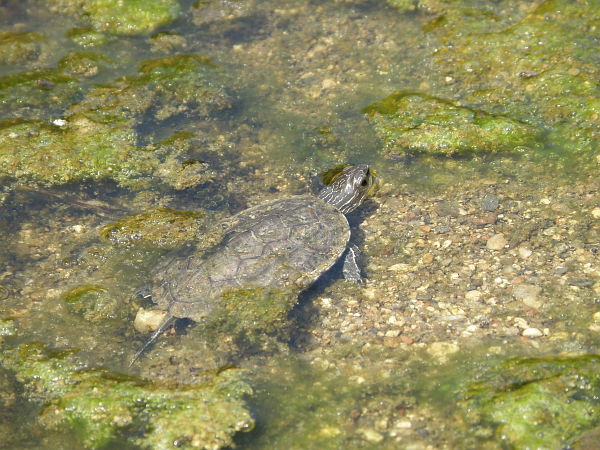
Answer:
[(161, 227), (408, 121), (124, 17), (98, 137), (539, 402), (103, 407)]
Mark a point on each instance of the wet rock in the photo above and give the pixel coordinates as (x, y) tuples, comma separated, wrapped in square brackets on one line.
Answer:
[(408, 121), (538, 402), (160, 227), (102, 407), (441, 350), (532, 332), (524, 252), (490, 203), (19, 47), (528, 294), (496, 242), (147, 321)]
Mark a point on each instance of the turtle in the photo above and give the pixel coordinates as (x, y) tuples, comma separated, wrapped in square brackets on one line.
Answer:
[(285, 243)]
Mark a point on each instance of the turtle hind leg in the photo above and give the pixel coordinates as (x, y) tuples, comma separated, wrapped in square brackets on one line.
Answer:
[(167, 320), (351, 269)]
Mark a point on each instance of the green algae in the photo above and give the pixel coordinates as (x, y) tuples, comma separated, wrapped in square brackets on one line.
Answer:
[(98, 137), (19, 47), (255, 317), (87, 37), (538, 402), (531, 61), (84, 64), (37, 151), (103, 407), (131, 17), (37, 93), (161, 227), (409, 121), (93, 302)]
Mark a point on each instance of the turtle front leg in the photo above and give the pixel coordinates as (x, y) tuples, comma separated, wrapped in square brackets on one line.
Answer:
[(351, 270)]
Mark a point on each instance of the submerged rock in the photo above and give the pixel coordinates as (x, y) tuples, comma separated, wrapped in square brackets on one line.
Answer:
[(530, 61), (103, 407), (161, 227), (410, 121), (19, 47), (539, 402), (121, 17), (98, 137)]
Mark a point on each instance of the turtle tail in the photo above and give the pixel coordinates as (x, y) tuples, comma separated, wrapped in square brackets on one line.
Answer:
[(167, 320)]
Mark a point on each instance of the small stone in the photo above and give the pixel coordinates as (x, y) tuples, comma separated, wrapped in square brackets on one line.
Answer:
[(528, 294), (524, 252), (473, 295), (371, 435), (328, 83), (400, 267), (560, 270), (521, 323), (427, 258), (490, 203), (596, 316), (148, 320), (532, 332), (596, 213), (496, 242), (441, 350)]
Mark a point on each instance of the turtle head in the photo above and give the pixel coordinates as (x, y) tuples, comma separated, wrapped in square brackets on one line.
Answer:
[(348, 188)]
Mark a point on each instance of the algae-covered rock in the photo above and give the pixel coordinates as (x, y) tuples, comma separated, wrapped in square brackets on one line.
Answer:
[(84, 64), (37, 93), (87, 37), (539, 402), (255, 317), (131, 16), (532, 61), (103, 407), (19, 47), (408, 121), (47, 153), (181, 84), (161, 227), (98, 138), (125, 17), (93, 302)]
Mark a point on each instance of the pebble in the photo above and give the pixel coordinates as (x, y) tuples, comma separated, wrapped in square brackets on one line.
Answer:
[(473, 295), (528, 294), (496, 242), (532, 332), (371, 435), (596, 213), (490, 203), (148, 320), (524, 252), (442, 349)]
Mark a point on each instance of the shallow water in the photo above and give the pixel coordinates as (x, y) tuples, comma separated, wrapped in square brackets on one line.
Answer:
[(477, 254)]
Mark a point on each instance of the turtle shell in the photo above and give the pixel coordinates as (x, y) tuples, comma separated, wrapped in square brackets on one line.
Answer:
[(286, 243)]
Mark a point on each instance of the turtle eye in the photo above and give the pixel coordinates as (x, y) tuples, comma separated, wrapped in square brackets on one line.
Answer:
[(364, 182)]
